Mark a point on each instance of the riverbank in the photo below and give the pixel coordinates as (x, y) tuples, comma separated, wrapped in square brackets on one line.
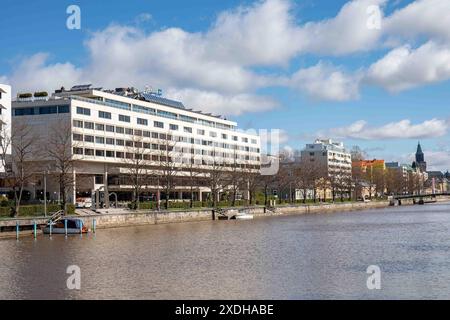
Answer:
[(115, 220)]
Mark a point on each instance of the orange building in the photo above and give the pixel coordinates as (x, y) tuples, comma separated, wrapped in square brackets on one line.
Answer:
[(369, 164)]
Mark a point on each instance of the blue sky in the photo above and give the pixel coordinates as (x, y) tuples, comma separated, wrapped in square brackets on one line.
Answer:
[(311, 68)]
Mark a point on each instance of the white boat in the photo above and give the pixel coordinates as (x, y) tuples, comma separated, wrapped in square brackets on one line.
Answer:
[(243, 216)]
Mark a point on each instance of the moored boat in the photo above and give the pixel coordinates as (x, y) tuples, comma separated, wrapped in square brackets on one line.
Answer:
[(242, 216), (74, 226)]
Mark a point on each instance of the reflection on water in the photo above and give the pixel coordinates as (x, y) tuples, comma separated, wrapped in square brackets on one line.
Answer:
[(291, 257)]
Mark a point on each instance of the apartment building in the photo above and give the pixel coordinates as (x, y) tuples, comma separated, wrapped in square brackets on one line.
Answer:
[(109, 129), (329, 154)]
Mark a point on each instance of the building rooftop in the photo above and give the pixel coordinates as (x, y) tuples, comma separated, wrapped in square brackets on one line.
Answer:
[(128, 92)]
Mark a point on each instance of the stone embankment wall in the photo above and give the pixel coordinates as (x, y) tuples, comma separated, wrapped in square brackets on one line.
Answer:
[(113, 220)]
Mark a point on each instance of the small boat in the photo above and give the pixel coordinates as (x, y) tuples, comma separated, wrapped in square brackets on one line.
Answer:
[(74, 226), (242, 216)]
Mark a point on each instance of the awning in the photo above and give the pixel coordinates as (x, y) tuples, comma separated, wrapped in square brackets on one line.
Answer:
[(2, 106), (1, 90)]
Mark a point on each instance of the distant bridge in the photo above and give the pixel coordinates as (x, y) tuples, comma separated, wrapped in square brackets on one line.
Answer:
[(421, 196)]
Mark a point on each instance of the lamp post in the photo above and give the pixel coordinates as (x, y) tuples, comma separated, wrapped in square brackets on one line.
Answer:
[(45, 193)]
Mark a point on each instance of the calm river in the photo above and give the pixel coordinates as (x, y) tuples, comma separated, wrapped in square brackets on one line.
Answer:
[(290, 257)]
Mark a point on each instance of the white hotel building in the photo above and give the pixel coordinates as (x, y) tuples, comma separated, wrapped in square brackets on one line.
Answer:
[(5, 122), (107, 124)]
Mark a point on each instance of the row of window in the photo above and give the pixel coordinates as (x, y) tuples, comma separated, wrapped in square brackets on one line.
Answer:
[(156, 135), (161, 136), (158, 124), (41, 110), (145, 156), (152, 111)]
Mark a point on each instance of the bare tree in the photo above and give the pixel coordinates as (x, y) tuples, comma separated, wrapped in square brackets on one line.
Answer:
[(216, 176), (235, 177), (23, 150), (60, 153), (191, 166), (136, 160), (250, 181), (170, 162)]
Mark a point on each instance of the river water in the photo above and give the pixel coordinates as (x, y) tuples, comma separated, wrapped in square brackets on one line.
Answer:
[(288, 257)]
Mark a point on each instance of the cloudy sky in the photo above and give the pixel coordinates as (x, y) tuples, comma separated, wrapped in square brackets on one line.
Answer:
[(373, 73)]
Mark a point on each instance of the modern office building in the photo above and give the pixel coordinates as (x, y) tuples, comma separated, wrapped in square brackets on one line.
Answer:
[(5, 123), (112, 130), (330, 154)]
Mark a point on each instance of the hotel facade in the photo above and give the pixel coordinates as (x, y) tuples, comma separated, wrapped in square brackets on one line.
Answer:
[(5, 124), (110, 129)]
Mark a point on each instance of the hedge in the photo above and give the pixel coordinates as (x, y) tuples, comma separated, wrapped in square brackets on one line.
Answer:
[(36, 210)]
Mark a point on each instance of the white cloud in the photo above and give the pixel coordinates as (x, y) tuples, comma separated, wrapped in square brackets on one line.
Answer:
[(405, 68), (326, 82), (436, 160), (403, 129), (346, 33), (429, 18), (214, 101), (218, 70), (34, 73)]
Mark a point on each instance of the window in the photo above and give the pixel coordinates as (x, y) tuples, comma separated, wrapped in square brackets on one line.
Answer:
[(147, 134), (129, 143), (83, 111), (120, 142), (158, 124), (143, 122), (89, 138), (120, 155), (201, 132), (110, 154), (155, 135), (224, 136), (129, 131), (48, 110), (124, 118), (235, 138), (100, 140), (244, 139), (173, 127), (24, 112), (109, 128), (213, 134), (188, 129), (77, 137), (110, 141), (100, 153), (63, 109), (99, 127), (138, 133), (120, 130), (88, 152), (104, 115), (78, 151), (78, 124), (142, 109), (254, 141), (89, 125), (119, 104)]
